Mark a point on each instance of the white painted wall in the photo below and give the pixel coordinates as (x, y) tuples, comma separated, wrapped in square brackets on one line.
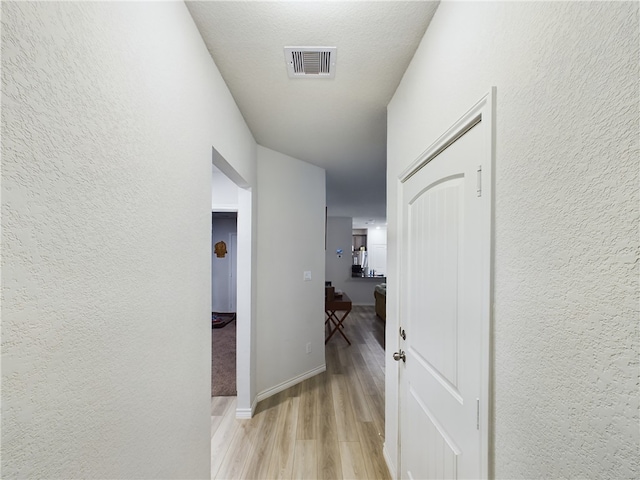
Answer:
[(221, 229), (338, 270), (224, 198), (291, 222), (566, 239), (109, 114), (224, 192)]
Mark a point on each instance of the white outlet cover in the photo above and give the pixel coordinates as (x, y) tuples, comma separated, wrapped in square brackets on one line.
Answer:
[(307, 276)]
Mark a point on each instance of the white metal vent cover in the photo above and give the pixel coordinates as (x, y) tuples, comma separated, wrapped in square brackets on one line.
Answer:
[(310, 62)]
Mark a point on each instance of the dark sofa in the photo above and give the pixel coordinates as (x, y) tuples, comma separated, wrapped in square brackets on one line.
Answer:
[(380, 294)]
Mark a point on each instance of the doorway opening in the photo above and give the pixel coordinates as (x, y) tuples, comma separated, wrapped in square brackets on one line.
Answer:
[(231, 195), (224, 241)]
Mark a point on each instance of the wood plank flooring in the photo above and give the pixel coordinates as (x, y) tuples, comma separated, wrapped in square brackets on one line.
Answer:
[(330, 426)]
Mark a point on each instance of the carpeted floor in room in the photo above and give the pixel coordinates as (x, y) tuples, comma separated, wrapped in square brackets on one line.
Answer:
[(223, 358)]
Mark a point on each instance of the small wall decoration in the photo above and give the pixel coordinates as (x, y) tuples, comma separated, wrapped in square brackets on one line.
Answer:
[(220, 249)]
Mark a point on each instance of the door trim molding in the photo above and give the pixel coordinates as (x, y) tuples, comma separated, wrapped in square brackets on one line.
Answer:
[(483, 111)]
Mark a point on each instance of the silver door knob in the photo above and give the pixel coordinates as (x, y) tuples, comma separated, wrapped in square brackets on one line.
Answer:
[(397, 356)]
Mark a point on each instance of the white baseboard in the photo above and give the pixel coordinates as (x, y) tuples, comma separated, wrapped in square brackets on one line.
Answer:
[(247, 413), (290, 383), (244, 413), (390, 465)]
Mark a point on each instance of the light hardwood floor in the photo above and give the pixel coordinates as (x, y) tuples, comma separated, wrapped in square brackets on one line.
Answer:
[(328, 427)]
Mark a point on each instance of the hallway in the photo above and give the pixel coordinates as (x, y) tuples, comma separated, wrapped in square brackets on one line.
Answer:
[(330, 426)]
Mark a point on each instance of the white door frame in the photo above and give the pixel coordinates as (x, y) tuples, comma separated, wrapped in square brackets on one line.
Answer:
[(245, 292), (482, 111), (233, 270)]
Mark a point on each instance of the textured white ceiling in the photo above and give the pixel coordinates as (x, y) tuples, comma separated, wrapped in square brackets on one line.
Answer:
[(338, 124)]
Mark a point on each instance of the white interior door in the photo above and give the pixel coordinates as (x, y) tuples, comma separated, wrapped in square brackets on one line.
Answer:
[(444, 382)]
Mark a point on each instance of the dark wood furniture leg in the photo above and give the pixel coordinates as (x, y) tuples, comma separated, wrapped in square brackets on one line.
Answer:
[(332, 318)]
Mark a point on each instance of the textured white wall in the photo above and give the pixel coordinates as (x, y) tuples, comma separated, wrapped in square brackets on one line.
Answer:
[(109, 113), (566, 215), (291, 222)]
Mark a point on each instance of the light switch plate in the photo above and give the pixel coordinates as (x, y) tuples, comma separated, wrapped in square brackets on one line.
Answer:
[(307, 276)]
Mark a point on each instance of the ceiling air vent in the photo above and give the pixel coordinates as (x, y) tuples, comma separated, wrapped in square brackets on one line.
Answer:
[(310, 62)]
